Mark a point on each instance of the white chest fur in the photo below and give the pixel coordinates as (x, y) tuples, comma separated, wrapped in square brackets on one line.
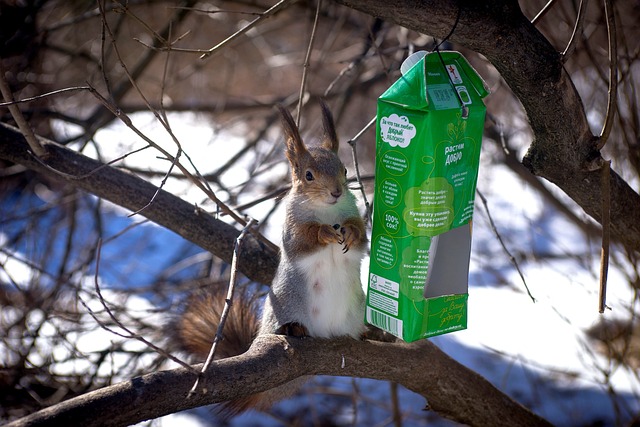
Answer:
[(336, 298)]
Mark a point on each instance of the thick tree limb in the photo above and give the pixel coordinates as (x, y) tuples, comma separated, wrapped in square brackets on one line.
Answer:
[(564, 150), (451, 389), (258, 262)]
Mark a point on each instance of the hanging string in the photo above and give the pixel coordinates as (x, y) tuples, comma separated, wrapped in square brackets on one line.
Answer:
[(453, 28), (463, 107)]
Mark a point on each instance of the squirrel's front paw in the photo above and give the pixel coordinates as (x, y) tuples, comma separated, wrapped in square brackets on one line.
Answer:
[(351, 234), (328, 234)]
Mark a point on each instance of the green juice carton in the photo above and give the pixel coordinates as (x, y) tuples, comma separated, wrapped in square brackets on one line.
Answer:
[(429, 130)]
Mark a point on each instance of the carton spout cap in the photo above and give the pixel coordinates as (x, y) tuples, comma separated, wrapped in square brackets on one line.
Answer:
[(412, 60)]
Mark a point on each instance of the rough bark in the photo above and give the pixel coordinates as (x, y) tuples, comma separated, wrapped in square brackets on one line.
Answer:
[(257, 261), (563, 150), (451, 389)]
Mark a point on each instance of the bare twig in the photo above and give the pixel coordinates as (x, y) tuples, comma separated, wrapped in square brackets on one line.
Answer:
[(278, 192), (512, 259), (44, 95), (356, 64), (174, 161), (577, 29), (127, 121), (227, 304), (202, 184), (165, 122), (124, 8), (125, 230), (512, 161), (606, 233), (169, 46), (352, 143), (103, 50), (250, 145), (305, 66), (134, 84), (24, 127), (543, 11), (395, 404), (100, 116), (129, 334), (211, 11), (132, 79), (613, 75), (199, 182), (269, 12)]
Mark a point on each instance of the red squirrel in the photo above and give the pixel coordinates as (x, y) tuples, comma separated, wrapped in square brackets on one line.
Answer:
[(317, 290)]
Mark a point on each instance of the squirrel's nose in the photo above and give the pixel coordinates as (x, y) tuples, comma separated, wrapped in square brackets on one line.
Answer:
[(337, 192)]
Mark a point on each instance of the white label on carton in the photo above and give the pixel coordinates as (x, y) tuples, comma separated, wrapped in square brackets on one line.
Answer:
[(454, 74), (397, 131), (386, 286)]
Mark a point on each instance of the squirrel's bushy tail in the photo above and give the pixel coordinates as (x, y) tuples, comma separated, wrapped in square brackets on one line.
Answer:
[(194, 332), (197, 326)]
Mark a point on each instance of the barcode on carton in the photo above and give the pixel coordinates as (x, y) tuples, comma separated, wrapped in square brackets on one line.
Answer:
[(443, 97), (385, 322)]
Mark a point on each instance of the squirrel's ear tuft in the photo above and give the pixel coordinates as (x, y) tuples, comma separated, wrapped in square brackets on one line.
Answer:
[(330, 137), (295, 147)]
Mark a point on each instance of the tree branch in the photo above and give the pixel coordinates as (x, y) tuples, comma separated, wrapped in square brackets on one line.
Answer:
[(5, 91), (451, 389), (258, 262)]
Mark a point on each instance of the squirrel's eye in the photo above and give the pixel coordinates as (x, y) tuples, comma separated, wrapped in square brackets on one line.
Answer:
[(309, 176), (345, 171)]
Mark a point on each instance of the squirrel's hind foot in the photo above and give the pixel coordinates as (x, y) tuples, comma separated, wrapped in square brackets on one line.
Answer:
[(293, 329)]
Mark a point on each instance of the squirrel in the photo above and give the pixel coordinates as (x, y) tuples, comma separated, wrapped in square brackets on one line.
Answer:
[(316, 290)]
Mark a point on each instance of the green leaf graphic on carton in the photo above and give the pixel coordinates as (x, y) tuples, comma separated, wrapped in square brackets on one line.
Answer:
[(429, 207), (457, 131)]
